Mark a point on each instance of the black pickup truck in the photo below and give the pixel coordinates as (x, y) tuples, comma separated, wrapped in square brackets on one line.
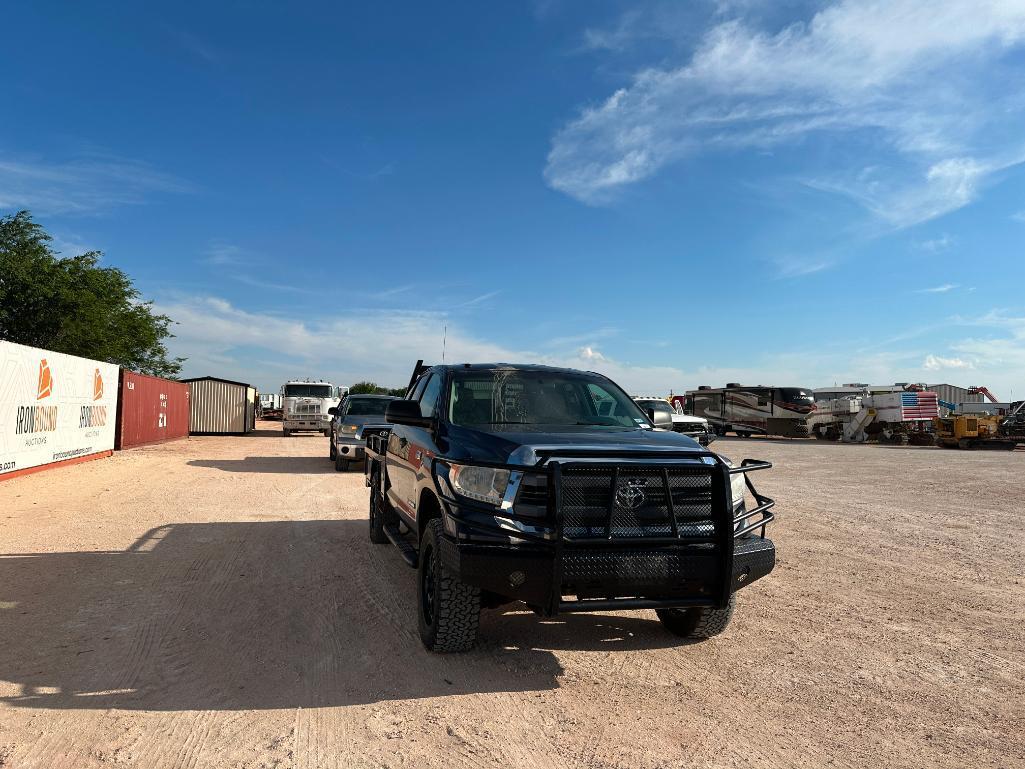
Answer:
[(549, 486)]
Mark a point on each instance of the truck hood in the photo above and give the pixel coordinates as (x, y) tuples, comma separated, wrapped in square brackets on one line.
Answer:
[(526, 444)]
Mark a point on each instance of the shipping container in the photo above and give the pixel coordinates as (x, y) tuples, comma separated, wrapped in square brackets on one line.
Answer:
[(54, 409), (150, 410), (220, 406)]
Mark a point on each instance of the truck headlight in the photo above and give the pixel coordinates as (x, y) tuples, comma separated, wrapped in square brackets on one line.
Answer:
[(484, 484)]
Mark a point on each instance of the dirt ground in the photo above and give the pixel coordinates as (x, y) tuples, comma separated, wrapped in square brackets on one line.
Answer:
[(215, 602)]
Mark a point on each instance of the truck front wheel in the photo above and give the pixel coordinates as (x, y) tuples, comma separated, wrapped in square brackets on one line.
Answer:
[(697, 623), (448, 609)]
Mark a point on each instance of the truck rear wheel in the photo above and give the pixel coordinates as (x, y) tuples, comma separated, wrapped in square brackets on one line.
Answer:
[(448, 609), (697, 623), (286, 433)]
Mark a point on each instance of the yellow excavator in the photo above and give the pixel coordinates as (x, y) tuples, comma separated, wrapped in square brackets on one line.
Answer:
[(971, 431)]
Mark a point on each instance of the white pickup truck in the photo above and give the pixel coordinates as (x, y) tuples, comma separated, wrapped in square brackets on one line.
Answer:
[(664, 411)]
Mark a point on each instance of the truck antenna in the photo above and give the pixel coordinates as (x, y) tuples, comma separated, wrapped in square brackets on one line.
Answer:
[(444, 342)]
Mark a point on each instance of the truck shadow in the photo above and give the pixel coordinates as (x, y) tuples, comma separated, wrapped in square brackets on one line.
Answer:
[(249, 615), (275, 464)]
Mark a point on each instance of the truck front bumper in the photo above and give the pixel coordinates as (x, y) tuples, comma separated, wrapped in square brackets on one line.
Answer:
[(690, 546), (349, 447), (302, 423), (625, 577)]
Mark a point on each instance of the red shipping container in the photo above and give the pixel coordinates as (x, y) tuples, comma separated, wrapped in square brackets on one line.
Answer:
[(150, 409)]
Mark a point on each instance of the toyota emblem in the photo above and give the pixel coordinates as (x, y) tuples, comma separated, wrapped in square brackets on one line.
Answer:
[(630, 493)]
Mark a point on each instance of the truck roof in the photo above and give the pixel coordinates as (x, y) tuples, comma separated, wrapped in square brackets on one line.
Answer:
[(510, 367)]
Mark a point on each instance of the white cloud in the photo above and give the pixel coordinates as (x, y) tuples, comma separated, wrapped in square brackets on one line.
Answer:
[(263, 349), (225, 254), (937, 363), (87, 184), (1019, 216), (479, 299), (910, 79), (934, 245), (938, 289), (798, 266), (591, 354)]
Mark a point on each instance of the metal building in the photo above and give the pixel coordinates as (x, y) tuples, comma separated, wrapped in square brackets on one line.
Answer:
[(954, 394), (221, 406), (150, 409)]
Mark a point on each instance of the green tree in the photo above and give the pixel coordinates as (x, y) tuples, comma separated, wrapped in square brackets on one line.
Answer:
[(366, 388), (74, 306)]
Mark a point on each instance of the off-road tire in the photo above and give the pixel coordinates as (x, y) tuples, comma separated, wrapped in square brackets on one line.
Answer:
[(450, 622), (341, 465), (697, 623), (376, 513)]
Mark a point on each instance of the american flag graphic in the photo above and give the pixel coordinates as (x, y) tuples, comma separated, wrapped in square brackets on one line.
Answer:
[(921, 405)]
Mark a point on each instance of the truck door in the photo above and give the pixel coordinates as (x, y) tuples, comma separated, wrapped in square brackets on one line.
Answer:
[(422, 439), (401, 455)]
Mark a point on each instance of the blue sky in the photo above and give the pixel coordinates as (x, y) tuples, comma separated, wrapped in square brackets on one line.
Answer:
[(672, 193)]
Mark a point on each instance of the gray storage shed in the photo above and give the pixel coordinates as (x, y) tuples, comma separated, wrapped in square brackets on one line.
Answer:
[(220, 406)]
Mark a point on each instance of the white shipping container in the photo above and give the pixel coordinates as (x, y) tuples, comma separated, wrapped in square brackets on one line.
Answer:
[(53, 407)]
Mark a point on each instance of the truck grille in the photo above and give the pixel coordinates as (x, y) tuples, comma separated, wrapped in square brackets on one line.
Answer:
[(304, 409), (629, 502)]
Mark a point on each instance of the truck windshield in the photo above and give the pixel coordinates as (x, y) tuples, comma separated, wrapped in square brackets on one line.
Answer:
[(371, 407), (514, 397), (307, 391)]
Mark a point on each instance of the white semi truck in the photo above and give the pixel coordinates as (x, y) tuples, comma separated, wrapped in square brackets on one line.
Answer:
[(305, 403)]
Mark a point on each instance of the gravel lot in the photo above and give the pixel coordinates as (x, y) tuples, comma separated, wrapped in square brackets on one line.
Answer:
[(215, 602)]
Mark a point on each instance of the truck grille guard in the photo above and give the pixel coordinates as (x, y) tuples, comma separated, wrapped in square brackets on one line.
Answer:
[(680, 523), (695, 516)]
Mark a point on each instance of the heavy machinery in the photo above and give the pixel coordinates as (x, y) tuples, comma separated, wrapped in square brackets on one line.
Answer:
[(887, 417), (974, 431), (975, 390)]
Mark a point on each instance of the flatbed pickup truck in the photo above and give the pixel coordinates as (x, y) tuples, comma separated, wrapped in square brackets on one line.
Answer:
[(549, 486)]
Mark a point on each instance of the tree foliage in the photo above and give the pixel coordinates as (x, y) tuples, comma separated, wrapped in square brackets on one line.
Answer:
[(74, 306), (366, 388), (372, 388)]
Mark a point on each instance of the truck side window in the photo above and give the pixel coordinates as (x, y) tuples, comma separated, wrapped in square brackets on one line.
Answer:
[(418, 388), (431, 395)]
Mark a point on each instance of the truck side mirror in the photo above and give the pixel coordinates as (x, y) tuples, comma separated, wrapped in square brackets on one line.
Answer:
[(403, 412), (333, 411)]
